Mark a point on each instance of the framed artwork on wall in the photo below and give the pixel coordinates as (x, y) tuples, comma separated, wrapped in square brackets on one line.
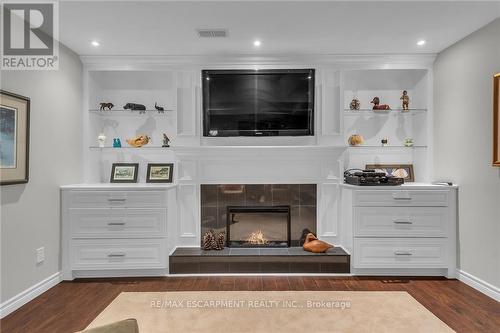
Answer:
[(124, 172), (496, 120), (15, 138), (160, 173), (397, 170)]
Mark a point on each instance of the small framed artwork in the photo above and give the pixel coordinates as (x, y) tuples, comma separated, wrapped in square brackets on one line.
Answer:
[(124, 172), (160, 173), (397, 170), (14, 138), (496, 120)]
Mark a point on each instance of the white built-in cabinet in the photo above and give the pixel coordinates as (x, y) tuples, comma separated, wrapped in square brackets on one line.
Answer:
[(175, 84), (120, 230)]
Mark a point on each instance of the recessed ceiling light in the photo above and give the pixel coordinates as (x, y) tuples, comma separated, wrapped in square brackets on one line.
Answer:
[(95, 43), (257, 43), (421, 42)]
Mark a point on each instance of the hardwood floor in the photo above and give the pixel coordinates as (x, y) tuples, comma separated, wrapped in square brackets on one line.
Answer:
[(71, 306)]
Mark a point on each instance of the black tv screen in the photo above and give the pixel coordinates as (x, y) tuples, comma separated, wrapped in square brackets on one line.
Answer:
[(258, 102)]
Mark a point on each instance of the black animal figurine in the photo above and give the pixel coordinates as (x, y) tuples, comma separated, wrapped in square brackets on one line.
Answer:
[(134, 107), (106, 105), (160, 109)]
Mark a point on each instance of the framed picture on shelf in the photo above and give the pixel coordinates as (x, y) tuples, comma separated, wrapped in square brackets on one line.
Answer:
[(496, 120), (398, 170), (124, 172), (160, 173), (14, 138)]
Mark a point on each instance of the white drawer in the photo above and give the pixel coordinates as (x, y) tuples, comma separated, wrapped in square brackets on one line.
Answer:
[(400, 221), (400, 253), (96, 199), (401, 198), (118, 222), (118, 254)]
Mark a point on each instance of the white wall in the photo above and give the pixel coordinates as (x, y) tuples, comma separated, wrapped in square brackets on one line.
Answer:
[(463, 145), (30, 212)]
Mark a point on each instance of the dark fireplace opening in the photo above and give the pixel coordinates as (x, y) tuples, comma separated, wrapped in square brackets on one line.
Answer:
[(258, 226)]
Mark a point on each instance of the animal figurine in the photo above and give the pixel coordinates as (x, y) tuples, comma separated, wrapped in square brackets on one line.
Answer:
[(139, 141), (105, 105), (355, 104), (356, 140), (160, 109), (406, 100), (378, 106), (166, 141), (314, 245), (134, 107)]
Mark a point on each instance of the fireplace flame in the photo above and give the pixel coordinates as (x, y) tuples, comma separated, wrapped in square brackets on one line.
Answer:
[(257, 238)]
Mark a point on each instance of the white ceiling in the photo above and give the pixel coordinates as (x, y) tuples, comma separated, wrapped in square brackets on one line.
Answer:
[(298, 27)]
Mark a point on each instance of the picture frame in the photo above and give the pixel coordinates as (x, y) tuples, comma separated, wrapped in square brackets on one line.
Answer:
[(407, 170), (160, 173), (496, 120), (124, 172), (15, 138)]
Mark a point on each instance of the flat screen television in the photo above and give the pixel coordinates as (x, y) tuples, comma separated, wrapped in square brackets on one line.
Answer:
[(258, 102)]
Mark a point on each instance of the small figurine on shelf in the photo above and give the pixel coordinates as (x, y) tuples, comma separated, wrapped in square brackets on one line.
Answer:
[(117, 143), (139, 141), (105, 105), (166, 141), (356, 140), (101, 138), (160, 109), (355, 104), (385, 142), (378, 106), (406, 101), (135, 107), (408, 142)]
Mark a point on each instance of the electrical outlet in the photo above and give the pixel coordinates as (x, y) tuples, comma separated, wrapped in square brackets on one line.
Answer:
[(40, 255)]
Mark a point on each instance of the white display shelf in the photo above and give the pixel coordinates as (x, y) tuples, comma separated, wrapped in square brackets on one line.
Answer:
[(386, 147), (370, 112), (121, 112), (129, 148)]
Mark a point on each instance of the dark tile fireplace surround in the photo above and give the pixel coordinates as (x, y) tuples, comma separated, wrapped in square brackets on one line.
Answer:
[(280, 211), (217, 200)]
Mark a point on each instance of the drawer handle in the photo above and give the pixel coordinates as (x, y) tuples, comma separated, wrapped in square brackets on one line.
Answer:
[(117, 199), (401, 198), (402, 253), (116, 254), (116, 223), (408, 221)]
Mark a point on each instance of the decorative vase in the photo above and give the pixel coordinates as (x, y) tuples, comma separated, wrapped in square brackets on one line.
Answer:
[(102, 140)]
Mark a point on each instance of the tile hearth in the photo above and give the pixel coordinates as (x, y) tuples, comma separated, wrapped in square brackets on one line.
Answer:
[(258, 260)]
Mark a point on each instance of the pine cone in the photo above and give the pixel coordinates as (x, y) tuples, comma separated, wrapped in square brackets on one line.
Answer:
[(213, 241), (208, 240), (221, 240)]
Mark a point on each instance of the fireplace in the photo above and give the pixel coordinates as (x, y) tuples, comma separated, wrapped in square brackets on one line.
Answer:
[(299, 199), (258, 226)]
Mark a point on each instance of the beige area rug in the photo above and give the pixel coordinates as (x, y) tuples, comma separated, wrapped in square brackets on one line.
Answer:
[(272, 311)]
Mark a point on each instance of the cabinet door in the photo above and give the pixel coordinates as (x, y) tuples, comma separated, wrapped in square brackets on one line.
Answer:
[(407, 198), (400, 253), (118, 254), (98, 199), (400, 221), (118, 222)]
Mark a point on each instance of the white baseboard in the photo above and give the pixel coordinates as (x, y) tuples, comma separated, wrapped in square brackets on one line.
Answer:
[(480, 285), (27, 295)]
